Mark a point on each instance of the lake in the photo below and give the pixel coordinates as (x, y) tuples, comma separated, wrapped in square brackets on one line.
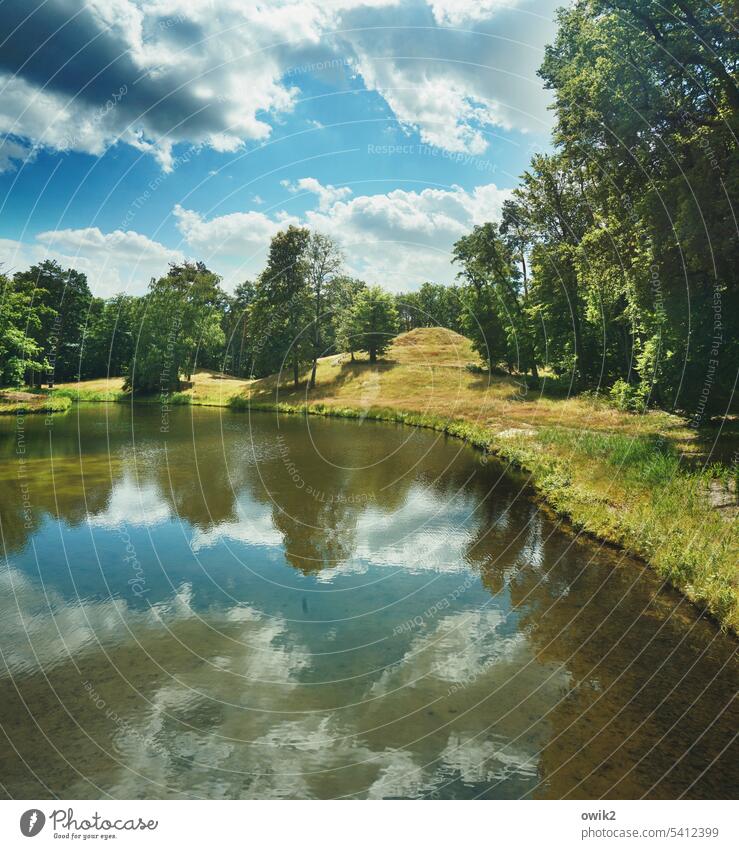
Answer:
[(222, 605)]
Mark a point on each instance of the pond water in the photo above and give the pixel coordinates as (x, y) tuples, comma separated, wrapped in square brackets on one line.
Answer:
[(227, 605)]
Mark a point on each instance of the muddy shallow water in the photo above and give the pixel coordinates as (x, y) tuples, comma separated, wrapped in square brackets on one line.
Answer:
[(223, 605)]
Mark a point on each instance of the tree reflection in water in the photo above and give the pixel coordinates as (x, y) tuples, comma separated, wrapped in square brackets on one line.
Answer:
[(327, 610)]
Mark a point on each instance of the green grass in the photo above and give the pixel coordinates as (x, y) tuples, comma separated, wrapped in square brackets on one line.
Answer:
[(82, 394), (648, 459), (45, 404)]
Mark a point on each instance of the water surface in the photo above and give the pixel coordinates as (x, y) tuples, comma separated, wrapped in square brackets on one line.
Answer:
[(221, 605)]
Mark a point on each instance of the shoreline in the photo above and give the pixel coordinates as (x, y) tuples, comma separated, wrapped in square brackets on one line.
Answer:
[(550, 477)]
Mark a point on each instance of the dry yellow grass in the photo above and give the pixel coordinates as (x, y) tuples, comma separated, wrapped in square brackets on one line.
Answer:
[(426, 371)]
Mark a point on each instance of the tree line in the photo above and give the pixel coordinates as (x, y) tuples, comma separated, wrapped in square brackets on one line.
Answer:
[(612, 263), (302, 307)]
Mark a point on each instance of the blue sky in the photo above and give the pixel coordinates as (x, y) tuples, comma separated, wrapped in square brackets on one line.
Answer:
[(135, 133)]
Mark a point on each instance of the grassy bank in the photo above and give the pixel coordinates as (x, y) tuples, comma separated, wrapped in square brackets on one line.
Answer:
[(22, 403), (625, 478)]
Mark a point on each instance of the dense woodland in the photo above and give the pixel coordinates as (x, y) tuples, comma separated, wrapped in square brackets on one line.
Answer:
[(613, 263)]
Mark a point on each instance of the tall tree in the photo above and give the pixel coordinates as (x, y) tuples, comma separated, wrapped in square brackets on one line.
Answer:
[(20, 353), (63, 298), (178, 320), (108, 339), (324, 263), (492, 316), (647, 110), (281, 313), (342, 293), (237, 329)]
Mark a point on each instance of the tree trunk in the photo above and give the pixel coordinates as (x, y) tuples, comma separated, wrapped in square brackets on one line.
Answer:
[(296, 374), (373, 355), (241, 349), (316, 338)]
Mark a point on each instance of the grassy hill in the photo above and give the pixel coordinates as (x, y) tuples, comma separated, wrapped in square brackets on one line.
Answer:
[(622, 477)]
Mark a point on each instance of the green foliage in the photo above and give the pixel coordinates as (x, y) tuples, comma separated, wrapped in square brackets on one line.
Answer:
[(342, 293), (79, 393), (108, 337), (625, 396), (281, 314), (60, 300), (372, 322), (324, 263), (19, 351), (496, 310), (629, 223), (178, 321), (433, 305), (237, 329)]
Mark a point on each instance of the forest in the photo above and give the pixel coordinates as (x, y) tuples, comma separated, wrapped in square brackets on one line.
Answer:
[(612, 264)]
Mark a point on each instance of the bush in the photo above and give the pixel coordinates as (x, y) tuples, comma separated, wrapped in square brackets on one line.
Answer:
[(629, 398)]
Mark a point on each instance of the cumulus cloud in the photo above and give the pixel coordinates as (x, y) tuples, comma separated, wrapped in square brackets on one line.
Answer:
[(455, 86), (404, 237), (327, 195), (221, 73), (121, 261), (149, 76), (235, 244), (399, 239)]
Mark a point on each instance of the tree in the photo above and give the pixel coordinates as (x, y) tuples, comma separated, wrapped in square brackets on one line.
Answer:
[(19, 351), (518, 235), (341, 294), (408, 306), (237, 329), (324, 262), (178, 319), (281, 313), (62, 299), (433, 305), (490, 317), (108, 338), (636, 199), (373, 322)]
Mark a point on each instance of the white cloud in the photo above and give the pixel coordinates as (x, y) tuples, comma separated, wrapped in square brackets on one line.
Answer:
[(12, 153), (456, 12), (327, 195), (438, 106), (151, 76), (221, 73), (455, 87), (398, 239), (121, 261), (235, 245), (402, 238)]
